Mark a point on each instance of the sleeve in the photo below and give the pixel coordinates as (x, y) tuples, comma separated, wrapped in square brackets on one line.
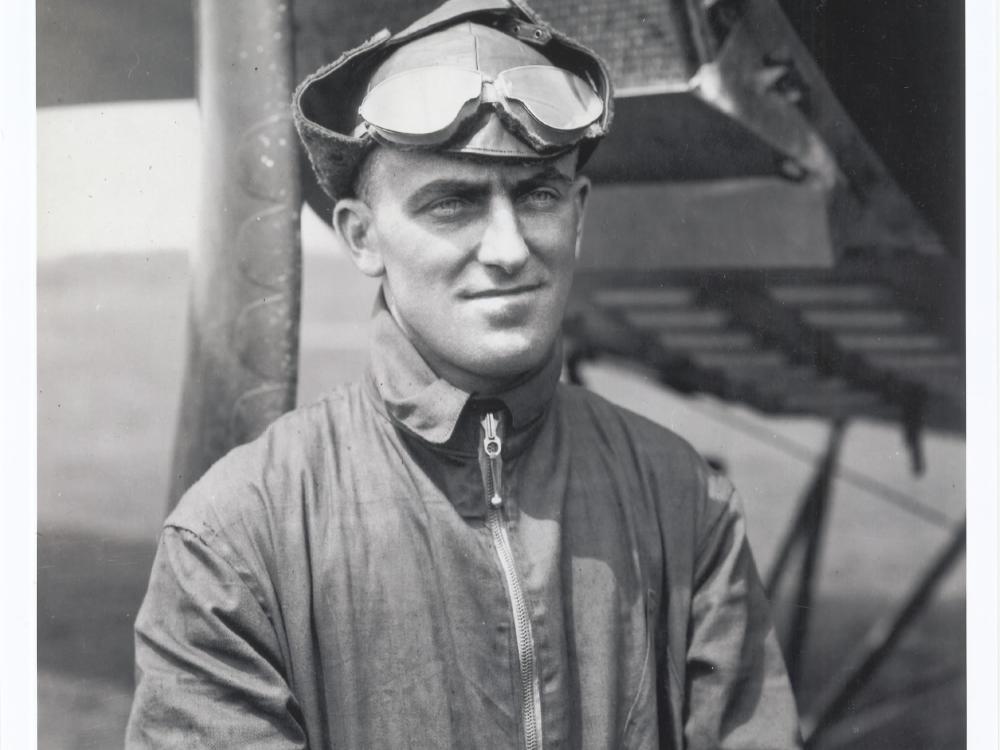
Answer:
[(207, 659), (737, 693)]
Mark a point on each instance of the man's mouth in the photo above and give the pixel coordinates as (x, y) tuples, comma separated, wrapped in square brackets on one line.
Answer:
[(506, 291)]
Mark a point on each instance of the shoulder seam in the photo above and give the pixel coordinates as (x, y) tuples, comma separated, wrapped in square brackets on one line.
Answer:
[(254, 592)]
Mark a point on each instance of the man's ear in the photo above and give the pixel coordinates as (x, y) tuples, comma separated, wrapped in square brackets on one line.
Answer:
[(581, 192), (353, 222)]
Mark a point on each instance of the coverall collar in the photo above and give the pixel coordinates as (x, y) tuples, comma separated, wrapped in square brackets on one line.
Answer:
[(430, 407)]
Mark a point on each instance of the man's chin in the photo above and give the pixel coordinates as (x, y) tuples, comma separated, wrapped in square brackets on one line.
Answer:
[(511, 364), (481, 358)]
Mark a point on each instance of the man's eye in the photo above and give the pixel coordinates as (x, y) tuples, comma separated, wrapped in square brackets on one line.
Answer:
[(447, 207), (541, 198)]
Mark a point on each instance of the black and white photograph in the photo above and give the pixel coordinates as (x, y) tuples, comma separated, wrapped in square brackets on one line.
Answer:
[(530, 374)]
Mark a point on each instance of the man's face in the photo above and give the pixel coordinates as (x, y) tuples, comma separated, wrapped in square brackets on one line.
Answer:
[(477, 256)]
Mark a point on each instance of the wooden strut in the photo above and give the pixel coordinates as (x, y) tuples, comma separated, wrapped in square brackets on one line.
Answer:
[(807, 528), (244, 303), (859, 667), (871, 717), (877, 644)]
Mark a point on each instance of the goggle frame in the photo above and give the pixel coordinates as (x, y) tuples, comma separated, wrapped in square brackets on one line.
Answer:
[(443, 103)]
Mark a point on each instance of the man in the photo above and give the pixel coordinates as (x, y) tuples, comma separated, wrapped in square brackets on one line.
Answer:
[(459, 551)]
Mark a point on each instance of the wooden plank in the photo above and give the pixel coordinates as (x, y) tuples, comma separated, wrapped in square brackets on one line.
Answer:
[(830, 294), (666, 296), (698, 318), (880, 342), (707, 340), (865, 319)]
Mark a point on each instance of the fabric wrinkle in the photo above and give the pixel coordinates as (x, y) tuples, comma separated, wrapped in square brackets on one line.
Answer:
[(380, 616)]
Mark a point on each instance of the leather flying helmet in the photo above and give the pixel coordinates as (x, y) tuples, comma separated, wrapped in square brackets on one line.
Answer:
[(485, 77)]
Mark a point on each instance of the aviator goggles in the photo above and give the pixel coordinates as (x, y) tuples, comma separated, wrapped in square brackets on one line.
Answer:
[(428, 106)]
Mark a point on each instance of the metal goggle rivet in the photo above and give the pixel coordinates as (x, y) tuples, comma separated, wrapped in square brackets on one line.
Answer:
[(530, 32)]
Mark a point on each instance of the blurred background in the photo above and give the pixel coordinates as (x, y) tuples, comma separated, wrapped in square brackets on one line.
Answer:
[(120, 146)]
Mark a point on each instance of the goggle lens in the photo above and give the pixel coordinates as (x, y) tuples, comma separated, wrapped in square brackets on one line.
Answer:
[(555, 97), (428, 102), (421, 102)]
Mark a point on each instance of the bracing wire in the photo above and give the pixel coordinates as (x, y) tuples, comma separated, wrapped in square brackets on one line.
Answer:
[(852, 477)]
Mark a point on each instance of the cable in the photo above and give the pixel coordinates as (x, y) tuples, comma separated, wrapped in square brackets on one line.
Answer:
[(849, 476)]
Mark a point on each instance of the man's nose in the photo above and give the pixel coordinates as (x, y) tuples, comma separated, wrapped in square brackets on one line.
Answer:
[(502, 244)]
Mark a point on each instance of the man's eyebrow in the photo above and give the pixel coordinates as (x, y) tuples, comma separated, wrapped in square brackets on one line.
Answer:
[(549, 174), (446, 186), (477, 188)]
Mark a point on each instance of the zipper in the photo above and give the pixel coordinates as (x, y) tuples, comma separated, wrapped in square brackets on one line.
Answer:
[(531, 703)]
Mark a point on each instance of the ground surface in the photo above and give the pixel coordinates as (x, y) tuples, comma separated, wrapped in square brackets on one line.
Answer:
[(110, 347)]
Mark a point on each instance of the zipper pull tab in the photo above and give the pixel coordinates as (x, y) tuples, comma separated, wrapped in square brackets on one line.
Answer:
[(492, 446)]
